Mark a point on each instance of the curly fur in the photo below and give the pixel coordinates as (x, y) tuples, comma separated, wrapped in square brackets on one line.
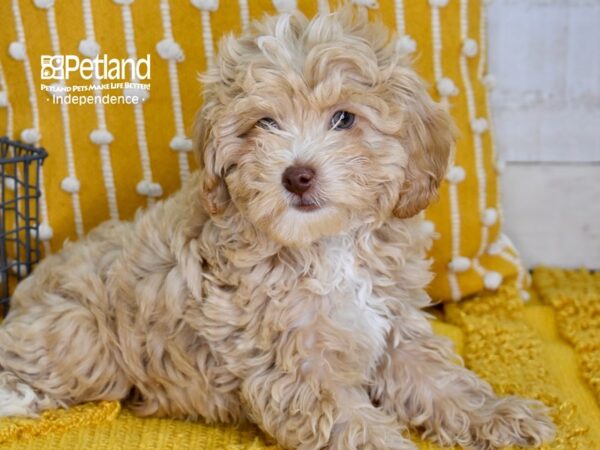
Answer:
[(227, 303)]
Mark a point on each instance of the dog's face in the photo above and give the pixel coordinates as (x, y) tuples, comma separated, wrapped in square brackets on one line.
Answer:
[(312, 128)]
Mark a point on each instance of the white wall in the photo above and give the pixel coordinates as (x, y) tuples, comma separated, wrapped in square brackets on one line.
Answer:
[(552, 213), (545, 55)]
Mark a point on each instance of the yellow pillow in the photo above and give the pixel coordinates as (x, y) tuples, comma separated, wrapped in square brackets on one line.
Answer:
[(107, 161)]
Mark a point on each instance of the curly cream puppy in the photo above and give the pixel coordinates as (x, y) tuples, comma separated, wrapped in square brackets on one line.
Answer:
[(284, 283)]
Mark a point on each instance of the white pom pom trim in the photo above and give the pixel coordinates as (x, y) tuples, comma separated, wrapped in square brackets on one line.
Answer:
[(149, 189), (169, 49), (3, 99), (206, 5), (30, 135), (43, 4), (89, 48), (455, 174), (470, 48), (18, 268), (446, 87), (492, 280), (45, 232), (17, 50), (70, 185), (428, 227), (495, 248), (489, 217), (367, 3), (101, 137), (10, 183), (141, 94), (181, 144), (489, 81), (438, 3), (459, 264), (525, 295), (479, 125), (500, 166), (406, 45)]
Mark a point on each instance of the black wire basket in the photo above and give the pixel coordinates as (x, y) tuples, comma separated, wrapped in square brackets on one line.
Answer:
[(20, 166)]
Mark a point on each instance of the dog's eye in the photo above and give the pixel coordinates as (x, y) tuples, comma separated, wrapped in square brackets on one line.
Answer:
[(342, 120), (267, 123)]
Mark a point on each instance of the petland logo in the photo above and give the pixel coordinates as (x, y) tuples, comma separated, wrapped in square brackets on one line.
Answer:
[(61, 67), (102, 75)]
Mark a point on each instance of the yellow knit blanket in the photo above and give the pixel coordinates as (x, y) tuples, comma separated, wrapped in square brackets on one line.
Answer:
[(548, 349)]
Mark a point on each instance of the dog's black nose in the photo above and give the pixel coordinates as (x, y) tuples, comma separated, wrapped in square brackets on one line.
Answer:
[(298, 179)]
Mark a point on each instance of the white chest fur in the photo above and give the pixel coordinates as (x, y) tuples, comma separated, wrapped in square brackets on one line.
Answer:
[(346, 320)]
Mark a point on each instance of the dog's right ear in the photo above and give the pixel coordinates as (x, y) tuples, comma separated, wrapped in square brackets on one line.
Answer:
[(205, 144), (217, 83)]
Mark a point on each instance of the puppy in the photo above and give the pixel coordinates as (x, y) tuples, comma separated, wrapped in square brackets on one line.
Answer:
[(284, 283)]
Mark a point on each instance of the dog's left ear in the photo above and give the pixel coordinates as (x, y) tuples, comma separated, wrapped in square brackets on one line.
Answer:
[(427, 134)]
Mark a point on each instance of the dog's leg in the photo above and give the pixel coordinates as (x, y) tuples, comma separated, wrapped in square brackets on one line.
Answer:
[(422, 382), (55, 356), (57, 346), (311, 416), (19, 399)]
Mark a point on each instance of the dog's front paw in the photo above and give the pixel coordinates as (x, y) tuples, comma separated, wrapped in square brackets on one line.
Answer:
[(513, 421), (359, 435)]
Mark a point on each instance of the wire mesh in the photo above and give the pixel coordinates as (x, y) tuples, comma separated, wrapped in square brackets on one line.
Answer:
[(20, 166)]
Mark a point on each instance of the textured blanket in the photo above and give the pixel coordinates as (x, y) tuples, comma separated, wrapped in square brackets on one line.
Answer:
[(548, 349)]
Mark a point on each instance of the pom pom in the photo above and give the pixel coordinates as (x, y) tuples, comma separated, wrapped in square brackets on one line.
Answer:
[(405, 45), (57, 89), (525, 295), (479, 125), (489, 217), (169, 49), (181, 144), (17, 50), (149, 189), (123, 2), (428, 227), (459, 264), (455, 174), (438, 3), (469, 48), (284, 6), (18, 268), (43, 4), (141, 94), (45, 232), (367, 3), (207, 5), (500, 166), (30, 135), (89, 48), (446, 87), (101, 137), (505, 240), (492, 280), (495, 248), (489, 81), (70, 185), (10, 183), (3, 99)]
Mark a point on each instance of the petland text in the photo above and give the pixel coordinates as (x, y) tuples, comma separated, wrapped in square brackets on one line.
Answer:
[(61, 67)]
